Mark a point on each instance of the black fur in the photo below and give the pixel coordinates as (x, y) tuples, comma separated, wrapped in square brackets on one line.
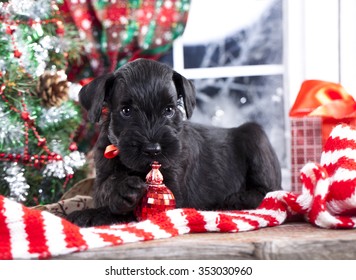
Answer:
[(207, 168)]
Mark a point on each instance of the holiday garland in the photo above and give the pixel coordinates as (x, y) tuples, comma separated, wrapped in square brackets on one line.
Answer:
[(328, 200)]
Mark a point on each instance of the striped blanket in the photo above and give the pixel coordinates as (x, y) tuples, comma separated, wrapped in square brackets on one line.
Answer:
[(328, 200)]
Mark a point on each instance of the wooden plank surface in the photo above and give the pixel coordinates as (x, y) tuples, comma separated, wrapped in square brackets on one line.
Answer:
[(289, 241)]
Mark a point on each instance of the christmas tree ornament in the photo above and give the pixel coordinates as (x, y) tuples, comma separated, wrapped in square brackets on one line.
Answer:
[(60, 28), (17, 54), (52, 88), (41, 142), (158, 197), (73, 147)]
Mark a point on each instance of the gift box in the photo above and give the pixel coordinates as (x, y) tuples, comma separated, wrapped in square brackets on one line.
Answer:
[(319, 106)]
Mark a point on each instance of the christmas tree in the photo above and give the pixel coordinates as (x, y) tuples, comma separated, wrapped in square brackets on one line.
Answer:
[(39, 118)]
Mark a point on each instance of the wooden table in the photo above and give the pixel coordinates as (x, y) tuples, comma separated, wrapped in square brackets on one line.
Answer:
[(288, 241)]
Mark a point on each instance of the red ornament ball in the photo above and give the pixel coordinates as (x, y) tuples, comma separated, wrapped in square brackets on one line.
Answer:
[(25, 116), (73, 147), (158, 197), (10, 30), (41, 141), (37, 164), (60, 28), (17, 53)]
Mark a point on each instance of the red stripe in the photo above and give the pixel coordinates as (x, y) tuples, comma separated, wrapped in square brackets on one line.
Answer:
[(320, 172), (73, 237), (35, 230), (345, 222), (255, 224), (336, 143), (226, 223), (291, 200), (109, 236), (195, 220), (341, 190), (308, 184), (343, 162), (271, 220), (140, 233), (272, 203), (317, 207), (5, 238), (165, 223), (114, 240)]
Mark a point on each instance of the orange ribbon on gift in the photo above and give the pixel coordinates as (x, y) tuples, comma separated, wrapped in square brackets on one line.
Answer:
[(327, 100)]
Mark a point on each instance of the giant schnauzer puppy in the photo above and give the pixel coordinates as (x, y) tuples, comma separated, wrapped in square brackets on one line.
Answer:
[(207, 168)]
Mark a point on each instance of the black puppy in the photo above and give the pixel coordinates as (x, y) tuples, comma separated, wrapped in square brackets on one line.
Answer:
[(206, 168)]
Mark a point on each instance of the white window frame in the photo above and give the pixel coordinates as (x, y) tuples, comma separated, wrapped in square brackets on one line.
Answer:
[(319, 43)]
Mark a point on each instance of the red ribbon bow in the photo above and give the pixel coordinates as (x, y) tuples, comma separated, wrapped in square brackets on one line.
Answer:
[(326, 100), (323, 99), (111, 151)]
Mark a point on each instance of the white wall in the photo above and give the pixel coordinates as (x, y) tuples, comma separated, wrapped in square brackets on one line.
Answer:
[(348, 45), (320, 43)]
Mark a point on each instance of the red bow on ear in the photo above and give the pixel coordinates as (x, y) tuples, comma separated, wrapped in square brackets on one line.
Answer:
[(111, 151)]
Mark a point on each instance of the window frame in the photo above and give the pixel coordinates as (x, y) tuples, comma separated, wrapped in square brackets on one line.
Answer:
[(319, 42)]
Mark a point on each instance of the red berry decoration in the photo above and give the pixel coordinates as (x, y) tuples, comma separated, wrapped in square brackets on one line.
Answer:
[(73, 147), (10, 30), (60, 28), (41, 141), (158, 197), (25, 116), (17, 53)]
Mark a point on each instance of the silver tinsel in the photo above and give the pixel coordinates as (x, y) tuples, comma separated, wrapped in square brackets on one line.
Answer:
[(62, 168), (11, 132), (35, 56), (40, 54), (17, 182), (33, 9), (2, 66), (55, 115)]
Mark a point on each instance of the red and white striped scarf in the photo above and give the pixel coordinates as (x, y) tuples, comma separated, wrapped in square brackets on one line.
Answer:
[(328, 200)]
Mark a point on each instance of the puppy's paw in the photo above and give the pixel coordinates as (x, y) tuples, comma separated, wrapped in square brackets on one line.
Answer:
[(125, 198), (98, 217)]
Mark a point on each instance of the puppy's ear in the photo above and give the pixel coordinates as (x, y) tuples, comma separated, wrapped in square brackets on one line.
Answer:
[(186, 89), (93, 95)]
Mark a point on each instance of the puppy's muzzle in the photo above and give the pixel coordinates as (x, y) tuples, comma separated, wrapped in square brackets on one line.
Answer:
[(152, 149)]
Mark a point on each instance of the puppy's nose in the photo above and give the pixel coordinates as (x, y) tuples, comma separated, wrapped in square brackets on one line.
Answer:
[(152, 149)]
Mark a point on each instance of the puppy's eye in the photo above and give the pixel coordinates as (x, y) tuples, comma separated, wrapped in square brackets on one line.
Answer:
[(126, 112), (169, 111)]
